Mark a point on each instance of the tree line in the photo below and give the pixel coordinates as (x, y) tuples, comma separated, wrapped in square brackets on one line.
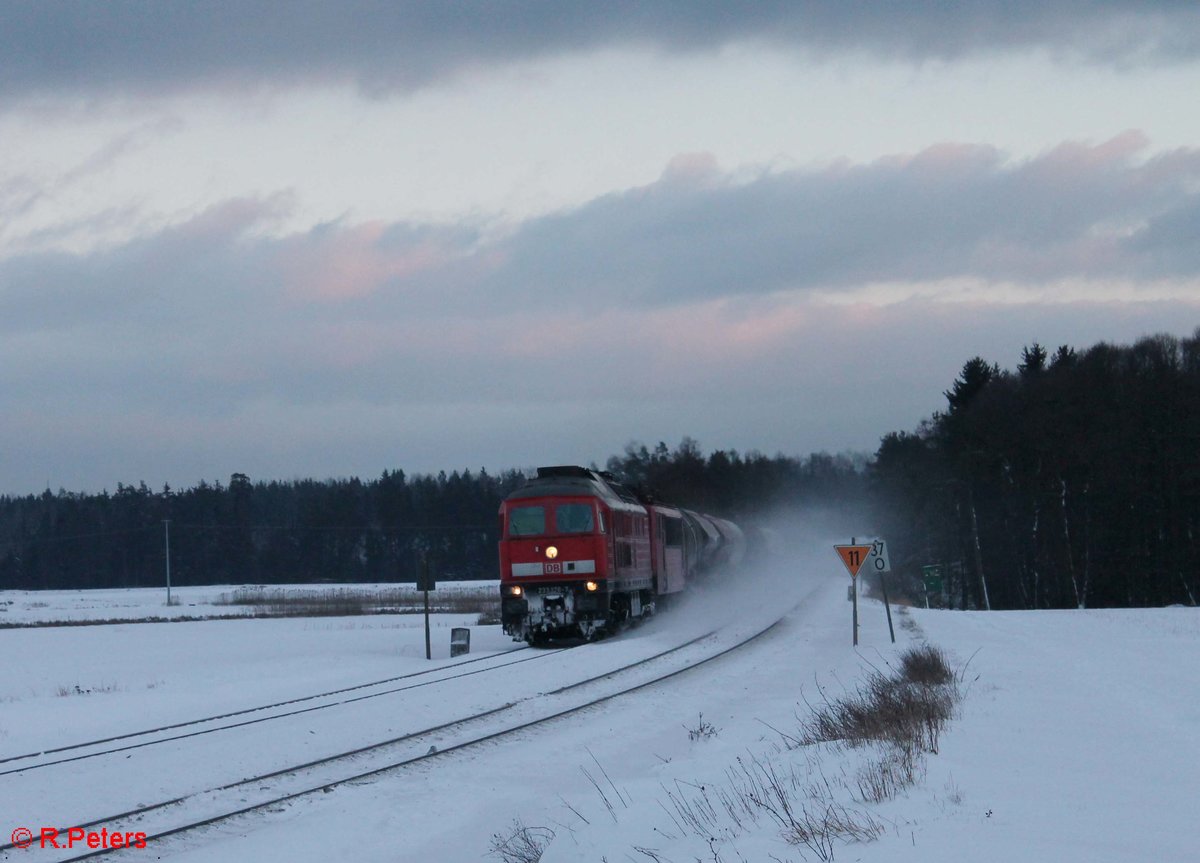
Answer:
[(1070, 481), (750, 487), (345, 530)]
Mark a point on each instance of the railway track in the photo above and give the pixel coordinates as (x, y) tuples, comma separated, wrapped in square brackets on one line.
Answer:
[(196, 810), (210, 724)]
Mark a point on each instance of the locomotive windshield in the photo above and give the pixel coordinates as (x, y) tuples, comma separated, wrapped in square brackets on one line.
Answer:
[(527, 521), (574, 518)]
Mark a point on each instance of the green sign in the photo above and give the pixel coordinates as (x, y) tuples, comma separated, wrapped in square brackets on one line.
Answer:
[(932, 576)]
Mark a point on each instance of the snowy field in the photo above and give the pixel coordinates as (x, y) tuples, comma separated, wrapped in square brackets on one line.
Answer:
[(150, 603), (1078, 737)]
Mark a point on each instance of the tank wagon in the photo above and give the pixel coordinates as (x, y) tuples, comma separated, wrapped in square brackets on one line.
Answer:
[(582, 555)]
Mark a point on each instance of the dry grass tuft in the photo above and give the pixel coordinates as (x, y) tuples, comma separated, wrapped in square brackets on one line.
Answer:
[(345, 601), (907, 710), (521, 844), (926, 665)]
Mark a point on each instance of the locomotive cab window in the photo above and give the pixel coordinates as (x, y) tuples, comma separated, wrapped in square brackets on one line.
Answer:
[(527, 521), (574, 518)]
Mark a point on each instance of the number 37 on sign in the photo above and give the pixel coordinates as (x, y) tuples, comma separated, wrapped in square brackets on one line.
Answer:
[(870, 556)]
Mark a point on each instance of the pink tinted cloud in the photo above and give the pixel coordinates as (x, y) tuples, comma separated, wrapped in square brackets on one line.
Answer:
[(1082, 156), (692, 168), (334, 263), (947, 160)]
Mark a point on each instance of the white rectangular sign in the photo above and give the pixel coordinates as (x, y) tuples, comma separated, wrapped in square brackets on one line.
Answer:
[(877, 560)]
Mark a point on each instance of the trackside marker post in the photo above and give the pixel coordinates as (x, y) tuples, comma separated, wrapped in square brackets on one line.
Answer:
[(426, 583), (853, 556), (878, 561), (872, 557)]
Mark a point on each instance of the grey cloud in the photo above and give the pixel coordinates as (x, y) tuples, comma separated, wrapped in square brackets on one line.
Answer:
[(21, 195), (167, 276), (1171, 240), (18, 195), (216, 346), (49, 46), (950, 211), (122, 145), (209, 315), (1076, 212), (84, 227)]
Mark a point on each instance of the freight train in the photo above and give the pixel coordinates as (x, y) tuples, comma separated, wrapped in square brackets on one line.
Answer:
[(582, 555)]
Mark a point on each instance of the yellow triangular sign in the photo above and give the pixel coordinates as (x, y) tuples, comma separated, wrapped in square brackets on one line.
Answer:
[(853, 556)]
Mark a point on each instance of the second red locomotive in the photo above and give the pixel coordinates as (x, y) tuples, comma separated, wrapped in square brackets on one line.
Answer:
[(581, 555)]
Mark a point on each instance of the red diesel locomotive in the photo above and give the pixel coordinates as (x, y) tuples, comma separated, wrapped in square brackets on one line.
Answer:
[(581, 555)]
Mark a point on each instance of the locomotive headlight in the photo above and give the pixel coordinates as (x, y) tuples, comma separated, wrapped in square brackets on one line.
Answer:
[(515, 590), (551, 552), (592, 586)]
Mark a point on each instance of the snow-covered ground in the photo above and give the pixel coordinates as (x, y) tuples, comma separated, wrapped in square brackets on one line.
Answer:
[(1078, 737), (150, 603)]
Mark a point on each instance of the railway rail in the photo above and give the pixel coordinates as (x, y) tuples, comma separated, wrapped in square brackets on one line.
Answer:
[(205, 808), (151, 733)]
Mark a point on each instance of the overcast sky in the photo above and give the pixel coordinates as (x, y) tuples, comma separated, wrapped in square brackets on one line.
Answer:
[(315, 239)]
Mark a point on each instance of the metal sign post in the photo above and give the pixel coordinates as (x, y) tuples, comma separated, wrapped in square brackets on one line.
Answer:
[(854, 589), (167, 554), (426, 583), (879, 560), (428, 649), (853, 556)]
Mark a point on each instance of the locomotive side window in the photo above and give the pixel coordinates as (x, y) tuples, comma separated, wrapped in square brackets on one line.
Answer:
[(574, 518), (673, 531), (527, 521), (624, 554)]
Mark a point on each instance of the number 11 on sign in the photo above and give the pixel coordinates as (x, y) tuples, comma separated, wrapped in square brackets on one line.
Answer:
[(853, 557)]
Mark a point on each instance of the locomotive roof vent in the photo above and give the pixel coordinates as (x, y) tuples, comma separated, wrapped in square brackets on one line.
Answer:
[(565, 470), (573, 480)]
